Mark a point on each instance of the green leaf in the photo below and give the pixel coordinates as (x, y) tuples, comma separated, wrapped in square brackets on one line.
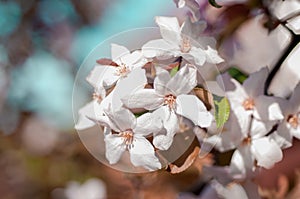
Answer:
[(237, 74), (214, 4), (222, 110), (174, 70)]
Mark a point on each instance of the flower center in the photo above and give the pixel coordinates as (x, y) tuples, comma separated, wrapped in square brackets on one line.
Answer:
[(293, 120), (248, 104), (246, 141), (122, 70), (97, 97), (170, 100), (127, 138), (185, 46)]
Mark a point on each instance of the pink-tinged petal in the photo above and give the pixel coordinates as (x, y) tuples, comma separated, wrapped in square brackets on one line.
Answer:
[(192, 108), (122, 118), (254, 83), (135, 80), (171, 125), (267, 108), (117, 51), (142, 154), (183, 81), (159, 48), (242, 162), (148, 124), (212, 56), (196, 56), (114, 148), (266, 152), (169, 29), (144, 98), (83, 121), (161, 81)]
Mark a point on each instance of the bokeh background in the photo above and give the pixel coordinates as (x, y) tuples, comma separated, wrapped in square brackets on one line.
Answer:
[(42, 45)]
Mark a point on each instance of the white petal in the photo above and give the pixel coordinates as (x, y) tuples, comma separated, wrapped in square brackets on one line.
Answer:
[(159, 48), (282, 136), (196, 56), (163, 142), (234, 131), (171, 125), (180, 3), (212, 56), (193, 30), (267, 108), (295, 98), (85, 113), (95, 78), (192, 108), (93, 113), (144, 98), (135, 80), (237, 96), (253, 84), (118, 51), (161, 81), (242, 162), (114, 148), (266, 152), (109, 76), (147, 124), (122, 118), (183, 81), (293, 24), (169, 29), (142, 154), (131, 58), (260, 128)]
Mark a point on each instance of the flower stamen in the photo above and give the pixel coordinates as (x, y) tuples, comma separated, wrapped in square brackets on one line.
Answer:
[(122, 70), (97, 97), (127, 138), (293, 120), (185, 45), (170, 100), (248, 104)]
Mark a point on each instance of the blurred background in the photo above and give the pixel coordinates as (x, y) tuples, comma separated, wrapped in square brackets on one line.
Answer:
[(42, 45)]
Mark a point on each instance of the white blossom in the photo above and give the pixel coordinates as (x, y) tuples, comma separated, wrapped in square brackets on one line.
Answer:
[(182, 41), (128, 133), (169, 98)]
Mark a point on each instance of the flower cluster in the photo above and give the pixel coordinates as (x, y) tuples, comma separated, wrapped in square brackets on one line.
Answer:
[(145, 97), (140, 97)]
